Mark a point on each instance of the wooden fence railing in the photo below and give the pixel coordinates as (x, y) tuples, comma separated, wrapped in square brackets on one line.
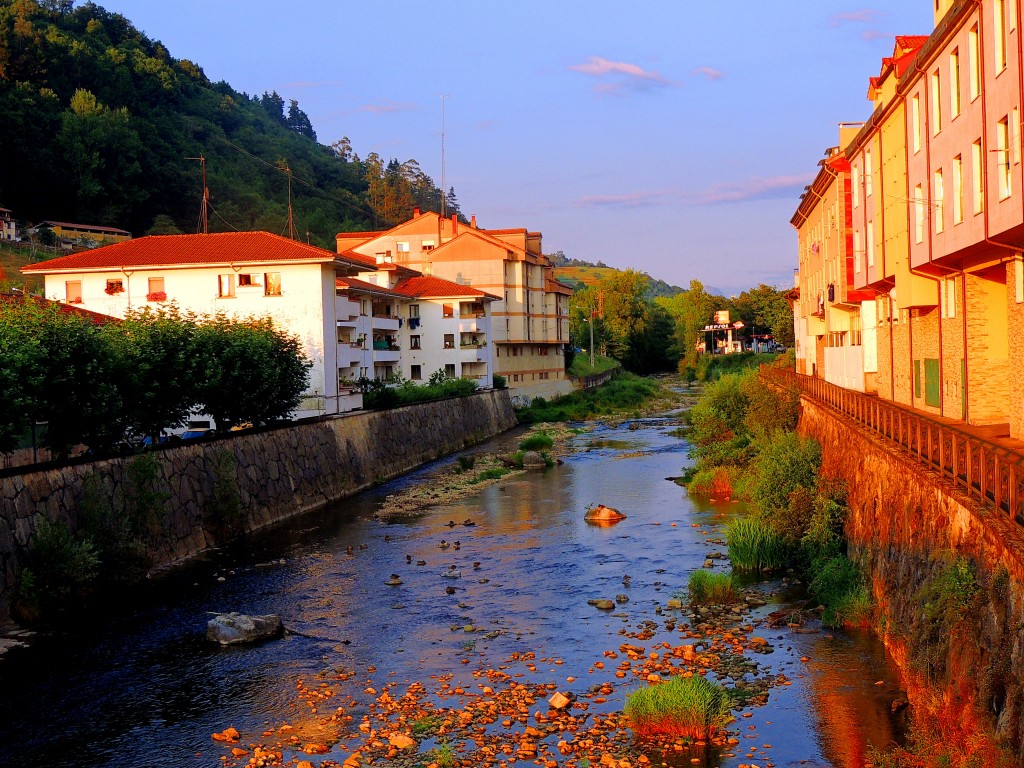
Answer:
[(989, 473)]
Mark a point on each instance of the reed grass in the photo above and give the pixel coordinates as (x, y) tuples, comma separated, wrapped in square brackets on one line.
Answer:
[(539, 441), (707, 588), (689, 707), (753, 545)]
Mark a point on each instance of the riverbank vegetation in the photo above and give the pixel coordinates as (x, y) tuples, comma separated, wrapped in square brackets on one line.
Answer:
[(398, 391), (746, 447), (625, 393), (690, 707)]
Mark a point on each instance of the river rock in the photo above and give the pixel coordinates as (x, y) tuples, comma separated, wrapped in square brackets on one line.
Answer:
[(603, 514), (401, 741), (533, 460), (604, 605), (236, 628)]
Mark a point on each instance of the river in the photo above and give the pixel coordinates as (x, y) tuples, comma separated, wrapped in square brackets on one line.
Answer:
[(136, 684)]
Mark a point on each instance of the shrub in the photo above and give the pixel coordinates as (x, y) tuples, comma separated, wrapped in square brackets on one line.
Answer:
[(63, 565), (952, 594), (466, 463), (491, 474), (713, 483), (786, 462), (837, 584), (539, 441), (623, 391), (706, 588), (499, 382), (692, 707), (753, 545)]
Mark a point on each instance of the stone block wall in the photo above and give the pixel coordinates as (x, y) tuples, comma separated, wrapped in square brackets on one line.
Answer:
[(904, 525), (272, 475)]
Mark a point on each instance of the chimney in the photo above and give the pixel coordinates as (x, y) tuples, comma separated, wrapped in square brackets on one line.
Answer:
[(472, 221), (455, 225), (415, 213)]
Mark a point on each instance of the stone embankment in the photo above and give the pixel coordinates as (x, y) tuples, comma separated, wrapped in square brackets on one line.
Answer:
[(207, 491), (905, 527)]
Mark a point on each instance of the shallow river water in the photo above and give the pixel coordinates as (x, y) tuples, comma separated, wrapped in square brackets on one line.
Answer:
[(139, 686)]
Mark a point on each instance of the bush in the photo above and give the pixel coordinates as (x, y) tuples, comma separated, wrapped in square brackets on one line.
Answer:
[(713, 483), (838, 586), (755, 546), (785, 463), (706, 588), (539, 441), (690, 707), (624, 391), (62, 564), (499, 382), (466, 463)]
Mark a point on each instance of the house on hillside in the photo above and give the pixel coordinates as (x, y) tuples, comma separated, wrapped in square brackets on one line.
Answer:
[(94, 233), (8, 225), (529, 308)]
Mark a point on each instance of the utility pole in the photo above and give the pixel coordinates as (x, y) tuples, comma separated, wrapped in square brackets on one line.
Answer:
[(291, 221), (204, 224), (591, 324)]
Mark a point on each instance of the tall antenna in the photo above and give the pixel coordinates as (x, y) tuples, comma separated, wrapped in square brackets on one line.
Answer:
[(444, 189), (291, 221), (204, 222)]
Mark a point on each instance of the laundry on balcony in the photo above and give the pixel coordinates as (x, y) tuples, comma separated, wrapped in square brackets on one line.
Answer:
[(414, 323)]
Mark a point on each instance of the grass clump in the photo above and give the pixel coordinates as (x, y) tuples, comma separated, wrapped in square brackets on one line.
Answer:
[(707, 588), (580, 366), (539, 441), (493, 473), (688, 707), (755, 546), (466, 463), (443, 755), (425, 726)]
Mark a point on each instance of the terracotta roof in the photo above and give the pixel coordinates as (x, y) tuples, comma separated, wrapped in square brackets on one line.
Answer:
[(361, 285), (65, 309), (911, 42), (178, 250), (434, 287), (71, 225), (359, 258)]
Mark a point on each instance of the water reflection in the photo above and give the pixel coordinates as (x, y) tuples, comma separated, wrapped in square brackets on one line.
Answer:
[(140, 686)]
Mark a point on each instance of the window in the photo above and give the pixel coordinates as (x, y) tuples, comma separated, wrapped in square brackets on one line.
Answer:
[(936, 98), (977, 177), (858, 251), (871, 244), (249, 281), (1003, 157), (449, 341), (155, 289), (427, 245), (364, 307), (958, 190), (937, 202), (973, 57), (867, 173), (954, 83), (448, 310), (918, 214), (414, 341), (949, 297), (1015, 136), (414, 310), (449, 370), (416, 372), (402, 247), (73, 291), (999, 39), (272, 283), (226, 286), (856, 186), (114, 287), (915, 115)]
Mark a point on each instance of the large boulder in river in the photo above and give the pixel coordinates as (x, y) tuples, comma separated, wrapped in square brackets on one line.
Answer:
[(533, 460), (236, 628), (602, 515)]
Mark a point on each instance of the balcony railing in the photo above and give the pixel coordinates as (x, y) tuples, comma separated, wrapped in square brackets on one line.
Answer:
[(988, 473)]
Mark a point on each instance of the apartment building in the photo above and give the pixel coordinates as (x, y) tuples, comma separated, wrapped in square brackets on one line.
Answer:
[(530, 310), (8, 225), (937, 220)]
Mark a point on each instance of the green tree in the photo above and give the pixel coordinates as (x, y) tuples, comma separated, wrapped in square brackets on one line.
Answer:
[(765, 310), (691, 309), (250, 372), (21, 370)]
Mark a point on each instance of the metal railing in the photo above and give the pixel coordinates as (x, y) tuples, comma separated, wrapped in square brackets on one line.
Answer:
[(990, 474)]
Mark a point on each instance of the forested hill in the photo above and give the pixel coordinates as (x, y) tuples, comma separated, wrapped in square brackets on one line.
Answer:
[(98, 122), (579, 274)]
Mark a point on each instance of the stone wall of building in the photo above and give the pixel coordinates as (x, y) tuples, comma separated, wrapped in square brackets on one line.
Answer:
[(209, 491), (905, 526)]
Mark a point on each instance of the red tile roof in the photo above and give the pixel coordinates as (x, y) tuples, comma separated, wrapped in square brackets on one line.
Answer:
[(65, 309), (178, 250), (360, 258), (436, 288), (362, 285)]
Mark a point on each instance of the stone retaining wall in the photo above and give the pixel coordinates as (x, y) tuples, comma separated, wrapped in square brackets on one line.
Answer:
[(905, 524), (247, 481)]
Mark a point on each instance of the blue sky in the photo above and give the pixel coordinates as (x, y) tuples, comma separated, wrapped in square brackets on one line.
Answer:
[(668, 136)]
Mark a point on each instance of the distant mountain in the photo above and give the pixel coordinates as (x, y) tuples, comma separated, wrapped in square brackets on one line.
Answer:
[(578, 274), (101, 125)]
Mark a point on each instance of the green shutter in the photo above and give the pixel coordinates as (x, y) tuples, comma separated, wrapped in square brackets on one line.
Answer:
[(932, 388)]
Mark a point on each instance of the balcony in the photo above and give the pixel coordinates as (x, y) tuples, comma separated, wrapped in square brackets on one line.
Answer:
[(472, 353), (349, 354), (472, 324), (345, 309), (385, 323)]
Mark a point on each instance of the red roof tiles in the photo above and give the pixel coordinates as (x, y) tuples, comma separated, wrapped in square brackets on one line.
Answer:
[(65, 309), (175, 250), (436, 288)]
